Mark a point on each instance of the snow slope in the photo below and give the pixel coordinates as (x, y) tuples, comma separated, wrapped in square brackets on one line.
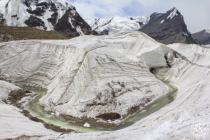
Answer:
[(187, 117), (88, 76), (13, 123), (76, 71), (117, 24)]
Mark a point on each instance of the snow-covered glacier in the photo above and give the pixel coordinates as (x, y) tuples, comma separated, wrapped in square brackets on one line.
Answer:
[(105, 79), (88, 76)]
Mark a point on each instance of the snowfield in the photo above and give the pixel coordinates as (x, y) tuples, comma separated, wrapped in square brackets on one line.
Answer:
[(13, 123), (117, 24), (90, 76)]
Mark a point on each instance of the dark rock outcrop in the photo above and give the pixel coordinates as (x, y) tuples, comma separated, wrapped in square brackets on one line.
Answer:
[(202, 37), (2, 20), (168, 28), (72, 23), (35, 22)]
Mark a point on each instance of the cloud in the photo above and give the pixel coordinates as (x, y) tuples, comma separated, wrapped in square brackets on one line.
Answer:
[(196, 13), (103, 8)]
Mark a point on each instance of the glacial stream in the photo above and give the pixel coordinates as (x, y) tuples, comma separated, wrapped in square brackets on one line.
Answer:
[(37, 111)]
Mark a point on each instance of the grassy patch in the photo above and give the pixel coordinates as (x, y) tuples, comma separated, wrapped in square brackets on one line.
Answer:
[(8, 33)]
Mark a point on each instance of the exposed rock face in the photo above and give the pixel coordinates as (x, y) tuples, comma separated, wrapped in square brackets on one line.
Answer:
[(43, 14), (35, 22), (202, 37), (75, 27), (168, 28), (2, 20)]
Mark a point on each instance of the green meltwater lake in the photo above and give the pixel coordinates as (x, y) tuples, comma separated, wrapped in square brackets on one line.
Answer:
[(37, 111)]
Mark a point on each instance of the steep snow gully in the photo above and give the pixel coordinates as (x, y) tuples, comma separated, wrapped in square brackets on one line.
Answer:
[(120, 85)]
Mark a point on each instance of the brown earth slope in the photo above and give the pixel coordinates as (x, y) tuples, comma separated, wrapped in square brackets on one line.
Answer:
[(8, 33)]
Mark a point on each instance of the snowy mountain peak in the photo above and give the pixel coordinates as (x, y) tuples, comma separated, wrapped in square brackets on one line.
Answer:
[(168, 27), (173, 12), (57, 15), (117, 24)]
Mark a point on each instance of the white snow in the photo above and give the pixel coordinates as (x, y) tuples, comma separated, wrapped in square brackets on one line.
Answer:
[(75, 70), (173, 14), (162, 21), (84, 72), (187, 117), (87, 125), (5, 89), (117, 25), (13, 123), (15, 12), (79, 30)]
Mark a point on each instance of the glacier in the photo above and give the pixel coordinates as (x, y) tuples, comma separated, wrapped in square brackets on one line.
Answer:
[(92, 75)]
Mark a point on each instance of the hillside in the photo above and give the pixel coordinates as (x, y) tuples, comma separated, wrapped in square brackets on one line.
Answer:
[(8, 33)]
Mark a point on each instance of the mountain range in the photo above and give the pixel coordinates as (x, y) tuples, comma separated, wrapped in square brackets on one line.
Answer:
[(62, 17), (166, 27), (57, 15)]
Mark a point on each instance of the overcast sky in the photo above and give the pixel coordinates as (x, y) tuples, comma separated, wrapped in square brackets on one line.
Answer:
[(195, 12)]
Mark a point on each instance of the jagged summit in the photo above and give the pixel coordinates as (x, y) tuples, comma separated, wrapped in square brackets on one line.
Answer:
[(173, 12), (57, 15), (168, 27)]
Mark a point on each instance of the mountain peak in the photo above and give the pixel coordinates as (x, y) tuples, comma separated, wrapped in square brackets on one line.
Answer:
[(202, 37), (117, 24), (57, 15), (174, 9), (173, 12), (168, 27)]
